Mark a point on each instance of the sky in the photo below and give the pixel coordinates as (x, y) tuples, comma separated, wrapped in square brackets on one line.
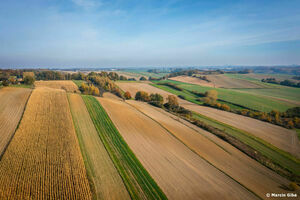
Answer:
[(148, 33)]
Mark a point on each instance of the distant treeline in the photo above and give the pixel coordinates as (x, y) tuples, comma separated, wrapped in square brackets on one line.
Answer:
[(285, 82)]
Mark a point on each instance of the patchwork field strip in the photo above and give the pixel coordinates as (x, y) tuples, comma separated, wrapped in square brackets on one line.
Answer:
[(43, 160), (12, 104)]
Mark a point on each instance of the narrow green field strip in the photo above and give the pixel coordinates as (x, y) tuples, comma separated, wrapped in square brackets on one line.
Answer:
[(105, 181), (279, 157), (137, 180)]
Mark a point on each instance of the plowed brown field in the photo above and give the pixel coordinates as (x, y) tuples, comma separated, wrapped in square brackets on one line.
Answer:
[(107, 181), (180, 172), (43, 160), (12, 103), (69, 86), (251, 174), (280, 137)]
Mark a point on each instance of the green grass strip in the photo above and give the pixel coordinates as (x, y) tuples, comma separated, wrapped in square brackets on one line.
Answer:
[(278, 156), (137, 180)]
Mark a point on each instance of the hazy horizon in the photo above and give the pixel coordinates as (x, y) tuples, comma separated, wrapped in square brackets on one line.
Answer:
[(171, 33)]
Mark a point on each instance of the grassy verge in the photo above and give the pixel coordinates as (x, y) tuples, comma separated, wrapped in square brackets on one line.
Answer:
[(298, 133), (279, 157), (78, 82), (137, 180), (21, 86)]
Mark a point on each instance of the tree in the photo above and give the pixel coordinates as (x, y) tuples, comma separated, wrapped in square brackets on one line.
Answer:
[(142, 96), (29, 80), (172, 101), (212, 95), (225, 107), (156, 99), (143, 78), (127, 95)]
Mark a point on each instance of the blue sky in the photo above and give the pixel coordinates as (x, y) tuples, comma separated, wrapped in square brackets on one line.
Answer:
[(119, 33)]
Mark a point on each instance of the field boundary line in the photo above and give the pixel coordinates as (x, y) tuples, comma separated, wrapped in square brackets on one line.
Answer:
[(197, 153), (6, 146)]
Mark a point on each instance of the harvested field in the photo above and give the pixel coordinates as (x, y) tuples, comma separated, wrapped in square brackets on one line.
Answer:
[(106, 179), (280, 137), (69, 86), (180, 172), (12, 103), (43, 160), (219, 81), (135, 87), (246, 171), (139, 183)]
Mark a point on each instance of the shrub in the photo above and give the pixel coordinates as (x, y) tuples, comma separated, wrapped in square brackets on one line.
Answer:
[(143, 78), (142, 96), (225, 107), (127, 95), (29, 80), (156, 100)]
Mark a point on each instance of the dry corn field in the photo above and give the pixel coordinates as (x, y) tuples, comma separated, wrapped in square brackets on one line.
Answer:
[(12, 103), (69, 86), (43, 160)]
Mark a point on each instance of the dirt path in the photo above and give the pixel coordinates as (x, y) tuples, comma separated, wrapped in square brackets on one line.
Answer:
[(12, 104), (107, 181), (245, 170), (180, 172)]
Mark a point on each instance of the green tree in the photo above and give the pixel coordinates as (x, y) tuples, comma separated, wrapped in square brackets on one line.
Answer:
[(156, 99), (29, 80), (142, 96), (143, 78)]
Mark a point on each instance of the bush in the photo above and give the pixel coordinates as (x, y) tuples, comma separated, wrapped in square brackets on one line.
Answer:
[(156, 100), (142, 96), (225, 107), (143, 78), (29, 80), (293, 186), (127, 95)]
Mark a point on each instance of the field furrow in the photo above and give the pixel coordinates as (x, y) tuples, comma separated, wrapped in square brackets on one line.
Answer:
[(106, 179), (12, 104), (138, 182), (251, 174), (43, 160), (181, 173)]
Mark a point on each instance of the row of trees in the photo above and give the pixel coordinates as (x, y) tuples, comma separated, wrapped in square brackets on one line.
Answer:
[(8, 77), (89, 89), (158, 100), (285, 82)]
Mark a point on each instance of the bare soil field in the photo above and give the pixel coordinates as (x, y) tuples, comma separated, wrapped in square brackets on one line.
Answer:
[(181, 173), (43, 160), (12, 104), (69, 86), (245, 170), (218, 81), (107, 181), (280, 137)]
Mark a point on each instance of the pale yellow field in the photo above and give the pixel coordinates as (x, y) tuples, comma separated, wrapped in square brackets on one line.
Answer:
[(180, 173), (107, 181), (69, 86), (245, 170), (43, 160), (276, 135), (12, 103), (218, 81)]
